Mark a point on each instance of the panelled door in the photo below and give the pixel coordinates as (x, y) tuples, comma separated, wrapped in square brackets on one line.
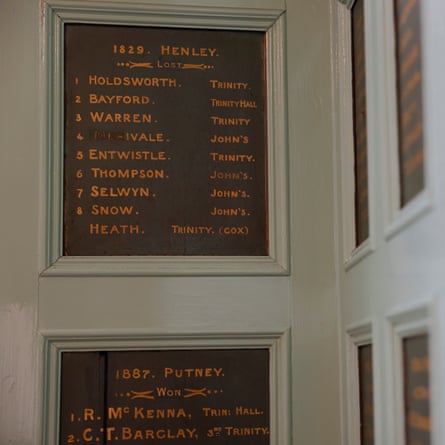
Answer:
[(391, 258), (62, 300)]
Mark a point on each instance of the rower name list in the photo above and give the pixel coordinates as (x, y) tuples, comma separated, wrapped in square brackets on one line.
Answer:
[(130, 160)]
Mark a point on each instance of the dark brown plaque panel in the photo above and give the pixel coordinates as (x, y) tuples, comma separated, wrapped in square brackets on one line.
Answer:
[(409, 95), (366, 390), (417, 390), (165, 142), (205, 397), (360, 128), (82, 390)]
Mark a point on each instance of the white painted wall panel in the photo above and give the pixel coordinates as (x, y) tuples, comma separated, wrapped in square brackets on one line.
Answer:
[(315, 372), (19, 219)]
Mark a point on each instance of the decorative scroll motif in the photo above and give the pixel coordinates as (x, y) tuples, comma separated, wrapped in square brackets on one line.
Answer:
[(409, 98), (360, 127), (150, 65)]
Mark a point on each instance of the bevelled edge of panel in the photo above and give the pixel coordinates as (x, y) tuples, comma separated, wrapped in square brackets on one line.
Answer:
[(162, 266), (419, 206), (360, 252), (361, 332), (272, 22), (410, 319), (54, 343)]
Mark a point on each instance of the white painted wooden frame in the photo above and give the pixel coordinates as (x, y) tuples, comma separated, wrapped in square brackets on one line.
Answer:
[(398, 218), (343, 130), (58, 12), (54, 343), (402, 324), (357, 335)]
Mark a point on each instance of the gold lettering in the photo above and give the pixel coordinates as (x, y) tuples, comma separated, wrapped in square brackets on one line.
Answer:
[(229, 139), (243, 411), (231, 157), (236, 176), (191, 230), (116, 229), (246, 431), (408, 113), (193, 372), (217, 120), (406, 11), (129, 155), (406, 38), (168, 50), (219, 84), (232, 194), (411, 84), (222, 103), (420, 364), (87, 434), (88, 414), (410, 59), (135, 118), (114, 100), (117, 192), (216, 412), (417, 421), (413, 162), (414, 135), (111, 210), (216, 211), (124, 173), (421, 393), (129, 433), (153, 82)]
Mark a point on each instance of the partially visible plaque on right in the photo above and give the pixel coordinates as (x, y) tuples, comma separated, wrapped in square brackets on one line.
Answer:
[(409, 98), (366, 391), (359, 122), (416, 390)]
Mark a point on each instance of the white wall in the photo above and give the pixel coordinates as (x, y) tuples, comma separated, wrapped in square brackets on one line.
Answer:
[(19, 220)]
